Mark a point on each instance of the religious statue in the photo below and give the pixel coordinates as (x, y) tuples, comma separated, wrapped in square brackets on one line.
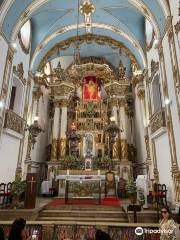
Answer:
[(62, 147), (90, 90), (59, 71), (122, 71), (54, 149)]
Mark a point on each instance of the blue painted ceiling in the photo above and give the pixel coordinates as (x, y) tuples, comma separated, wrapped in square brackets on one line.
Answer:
[(55, 14)]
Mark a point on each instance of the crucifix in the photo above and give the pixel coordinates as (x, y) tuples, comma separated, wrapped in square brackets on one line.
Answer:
[(87, 9), (30, 193), (31, 182)]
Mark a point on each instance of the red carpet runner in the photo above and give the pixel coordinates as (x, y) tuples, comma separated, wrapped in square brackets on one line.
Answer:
[(109, 201)]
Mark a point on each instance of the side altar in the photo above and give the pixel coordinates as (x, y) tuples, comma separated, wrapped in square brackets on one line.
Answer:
[(92, 127)]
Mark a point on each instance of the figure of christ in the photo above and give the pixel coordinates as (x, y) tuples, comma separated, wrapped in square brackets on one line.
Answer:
[(90, 91)]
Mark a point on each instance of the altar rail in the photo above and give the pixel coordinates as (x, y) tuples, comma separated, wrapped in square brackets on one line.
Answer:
[(56, 230)]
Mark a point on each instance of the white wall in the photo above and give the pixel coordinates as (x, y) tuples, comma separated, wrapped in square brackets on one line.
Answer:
[(172, 97), (9, 147), (164, 163), (8, 157)]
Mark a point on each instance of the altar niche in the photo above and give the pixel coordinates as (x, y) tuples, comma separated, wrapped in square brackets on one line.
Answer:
[(91, 114)]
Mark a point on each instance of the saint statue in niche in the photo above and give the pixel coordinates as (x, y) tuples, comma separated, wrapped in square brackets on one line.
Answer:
[(122, 71), (91, 89)]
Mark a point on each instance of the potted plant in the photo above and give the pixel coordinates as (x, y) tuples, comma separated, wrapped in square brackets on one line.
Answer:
[(131, 190), (18, 187)]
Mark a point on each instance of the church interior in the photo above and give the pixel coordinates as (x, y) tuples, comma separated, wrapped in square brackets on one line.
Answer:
[(89, 117)]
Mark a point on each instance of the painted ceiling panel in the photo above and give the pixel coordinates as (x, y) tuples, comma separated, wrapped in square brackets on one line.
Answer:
[(130, 17), (43, 22), (55, 14), (17, 8)]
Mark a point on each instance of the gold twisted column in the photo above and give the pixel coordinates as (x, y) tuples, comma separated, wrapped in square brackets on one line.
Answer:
[(55, 132), (63, 128), (54, 147)]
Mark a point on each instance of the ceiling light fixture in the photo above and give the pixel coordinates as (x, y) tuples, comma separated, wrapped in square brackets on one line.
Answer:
[(76, 50), (167, 101), (14, 45)]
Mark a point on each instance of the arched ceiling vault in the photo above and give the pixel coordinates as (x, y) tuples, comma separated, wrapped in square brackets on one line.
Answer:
[(122, 20)]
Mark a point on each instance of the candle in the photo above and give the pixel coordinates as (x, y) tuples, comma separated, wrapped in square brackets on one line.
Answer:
[(99, 172), (67, 171)]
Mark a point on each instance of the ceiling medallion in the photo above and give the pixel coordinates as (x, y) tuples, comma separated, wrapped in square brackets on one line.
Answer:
[(87, 9)]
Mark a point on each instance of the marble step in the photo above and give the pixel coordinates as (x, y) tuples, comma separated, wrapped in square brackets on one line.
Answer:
[(84, 213), (76, 219)]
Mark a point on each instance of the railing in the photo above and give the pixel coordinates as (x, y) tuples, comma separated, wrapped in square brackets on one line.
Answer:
[(157, 120), (51, 230), (14, 122)]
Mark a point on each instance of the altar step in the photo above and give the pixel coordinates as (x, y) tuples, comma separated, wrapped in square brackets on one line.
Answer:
[(83, 215)]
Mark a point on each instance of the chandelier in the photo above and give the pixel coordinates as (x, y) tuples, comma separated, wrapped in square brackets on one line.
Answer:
[(77, 56)]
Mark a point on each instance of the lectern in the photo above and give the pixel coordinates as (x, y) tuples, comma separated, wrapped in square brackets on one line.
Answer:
[(31, 189)]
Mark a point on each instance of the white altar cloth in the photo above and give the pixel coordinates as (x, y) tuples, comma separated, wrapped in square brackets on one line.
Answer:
[(45, 186), (83, 177)]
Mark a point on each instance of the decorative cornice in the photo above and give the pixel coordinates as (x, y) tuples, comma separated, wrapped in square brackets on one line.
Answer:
[(63, 89), (117, 89), (78, 72), (101, 40), (64, 102)]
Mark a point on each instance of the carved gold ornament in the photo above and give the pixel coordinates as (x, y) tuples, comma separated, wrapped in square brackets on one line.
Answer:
[(87, 8), (101, 40), (154, 68), (177, 27), (117, 88), (157, 121), (137, 79), (19, 72), (81, 71), (141, 94), (14, 122)]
